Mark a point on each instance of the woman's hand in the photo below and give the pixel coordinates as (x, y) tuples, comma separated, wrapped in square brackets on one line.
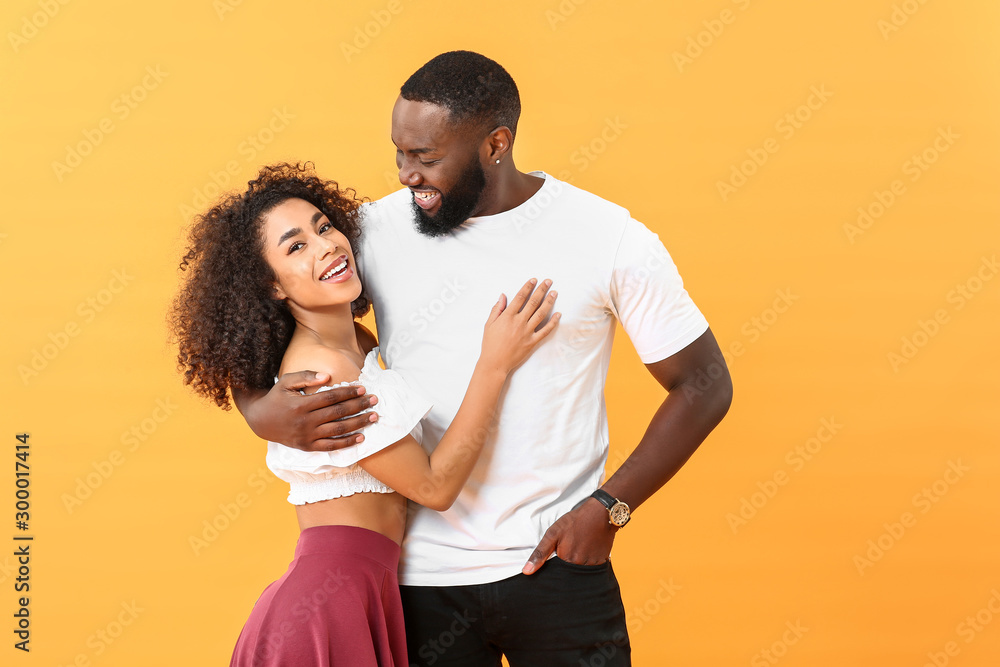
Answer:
[(512, 331)]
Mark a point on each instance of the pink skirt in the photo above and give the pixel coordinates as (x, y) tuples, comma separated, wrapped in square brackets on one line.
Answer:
[(337, 605)]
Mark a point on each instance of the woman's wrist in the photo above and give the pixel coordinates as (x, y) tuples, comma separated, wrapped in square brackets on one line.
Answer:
[(490, 369)]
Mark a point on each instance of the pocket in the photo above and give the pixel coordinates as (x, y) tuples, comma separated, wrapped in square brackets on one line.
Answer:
[(582, 568)]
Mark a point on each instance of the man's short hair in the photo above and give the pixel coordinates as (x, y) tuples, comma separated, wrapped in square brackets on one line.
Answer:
[(474, 89)]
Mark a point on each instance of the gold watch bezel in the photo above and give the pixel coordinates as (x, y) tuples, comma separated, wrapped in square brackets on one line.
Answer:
[(619, 514)]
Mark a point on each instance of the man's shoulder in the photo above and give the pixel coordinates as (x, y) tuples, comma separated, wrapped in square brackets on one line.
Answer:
[(581, 206), (393, 203), (576, 196), (385, 218)]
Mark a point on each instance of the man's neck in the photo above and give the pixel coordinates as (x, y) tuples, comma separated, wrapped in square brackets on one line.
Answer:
[(512, 188)]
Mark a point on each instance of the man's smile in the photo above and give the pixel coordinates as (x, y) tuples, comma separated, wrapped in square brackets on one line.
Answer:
[(426, 199)]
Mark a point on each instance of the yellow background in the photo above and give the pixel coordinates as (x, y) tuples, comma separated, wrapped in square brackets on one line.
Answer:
[(681, 127)]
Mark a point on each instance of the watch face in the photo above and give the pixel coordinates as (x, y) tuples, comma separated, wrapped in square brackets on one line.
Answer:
[(619, 514)]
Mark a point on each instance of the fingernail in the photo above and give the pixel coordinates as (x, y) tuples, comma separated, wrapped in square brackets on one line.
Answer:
[(553, 294), (533, 281), (361, 391), (373, 417), (372, 400), (360, 438)]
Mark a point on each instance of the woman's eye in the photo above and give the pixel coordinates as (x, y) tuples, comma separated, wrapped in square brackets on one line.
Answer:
[(295, 246), (326, 226)]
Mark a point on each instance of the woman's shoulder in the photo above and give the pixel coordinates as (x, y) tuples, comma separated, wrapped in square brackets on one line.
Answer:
[(321, 359)]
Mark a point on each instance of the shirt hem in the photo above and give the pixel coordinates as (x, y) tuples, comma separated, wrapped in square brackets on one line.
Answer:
[(467, 577)]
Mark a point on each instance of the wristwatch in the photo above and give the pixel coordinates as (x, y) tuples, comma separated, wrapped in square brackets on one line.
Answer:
[(618, 512)]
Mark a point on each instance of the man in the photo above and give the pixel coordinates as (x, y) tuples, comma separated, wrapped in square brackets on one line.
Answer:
[(477, 580)]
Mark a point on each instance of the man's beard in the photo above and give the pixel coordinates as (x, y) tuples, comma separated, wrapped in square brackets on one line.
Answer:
[(456, 205)]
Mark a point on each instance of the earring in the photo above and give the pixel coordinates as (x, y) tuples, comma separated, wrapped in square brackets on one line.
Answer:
[(498, 161)]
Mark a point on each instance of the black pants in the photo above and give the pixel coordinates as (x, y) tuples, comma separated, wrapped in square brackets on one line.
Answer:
[(563, 615)]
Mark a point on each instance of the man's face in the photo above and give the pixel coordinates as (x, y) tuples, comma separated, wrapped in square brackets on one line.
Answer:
[(440, 162)]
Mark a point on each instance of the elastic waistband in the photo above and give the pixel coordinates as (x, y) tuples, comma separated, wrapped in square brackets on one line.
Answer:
[(348, 541)]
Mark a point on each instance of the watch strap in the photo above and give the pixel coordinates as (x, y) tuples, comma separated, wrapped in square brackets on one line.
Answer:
[(604, 498)]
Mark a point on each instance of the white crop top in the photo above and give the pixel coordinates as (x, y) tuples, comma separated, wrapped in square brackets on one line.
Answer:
[(316, 476)]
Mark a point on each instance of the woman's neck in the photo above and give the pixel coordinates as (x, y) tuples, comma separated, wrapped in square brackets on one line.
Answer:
[(332, 328)]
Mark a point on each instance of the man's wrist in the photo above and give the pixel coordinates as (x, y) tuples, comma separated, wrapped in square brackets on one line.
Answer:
[(594, 511), (617, 510), (591, 504)]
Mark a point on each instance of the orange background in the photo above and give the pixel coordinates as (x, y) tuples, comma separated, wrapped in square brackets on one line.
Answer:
[(650, 105)]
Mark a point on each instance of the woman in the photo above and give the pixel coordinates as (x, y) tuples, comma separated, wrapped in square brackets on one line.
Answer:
[(272, 288)]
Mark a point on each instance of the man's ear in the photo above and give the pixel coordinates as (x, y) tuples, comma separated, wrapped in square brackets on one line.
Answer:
[(498, 143)]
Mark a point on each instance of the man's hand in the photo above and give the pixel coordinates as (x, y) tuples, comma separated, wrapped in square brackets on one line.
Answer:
[(317, 422), (583, 536)]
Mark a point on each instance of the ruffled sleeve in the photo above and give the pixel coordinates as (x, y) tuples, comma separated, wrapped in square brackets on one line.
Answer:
[(400, 409)]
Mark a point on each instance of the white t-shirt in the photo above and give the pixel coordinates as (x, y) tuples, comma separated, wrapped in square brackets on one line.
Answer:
[(432, 297)]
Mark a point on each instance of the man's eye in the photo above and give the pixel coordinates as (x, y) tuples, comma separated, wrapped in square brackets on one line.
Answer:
[(429, 162)]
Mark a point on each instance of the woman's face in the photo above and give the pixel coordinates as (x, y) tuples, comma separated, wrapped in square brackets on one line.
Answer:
[(311, 259)]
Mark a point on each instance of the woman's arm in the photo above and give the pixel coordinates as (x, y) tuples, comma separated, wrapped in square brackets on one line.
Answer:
[(509, 337), (435, 481)]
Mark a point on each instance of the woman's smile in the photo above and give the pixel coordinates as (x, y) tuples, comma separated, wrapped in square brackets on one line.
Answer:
[(338, 272)]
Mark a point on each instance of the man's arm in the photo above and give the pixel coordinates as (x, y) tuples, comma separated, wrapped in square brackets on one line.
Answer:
[(318, 422), (680, 425)]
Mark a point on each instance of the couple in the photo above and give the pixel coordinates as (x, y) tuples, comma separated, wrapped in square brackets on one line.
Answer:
[(509, 527)]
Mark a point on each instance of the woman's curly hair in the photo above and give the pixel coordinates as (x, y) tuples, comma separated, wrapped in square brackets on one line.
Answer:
[(230, 330)]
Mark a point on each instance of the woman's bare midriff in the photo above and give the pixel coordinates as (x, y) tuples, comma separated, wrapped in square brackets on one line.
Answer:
[(384, 513)]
